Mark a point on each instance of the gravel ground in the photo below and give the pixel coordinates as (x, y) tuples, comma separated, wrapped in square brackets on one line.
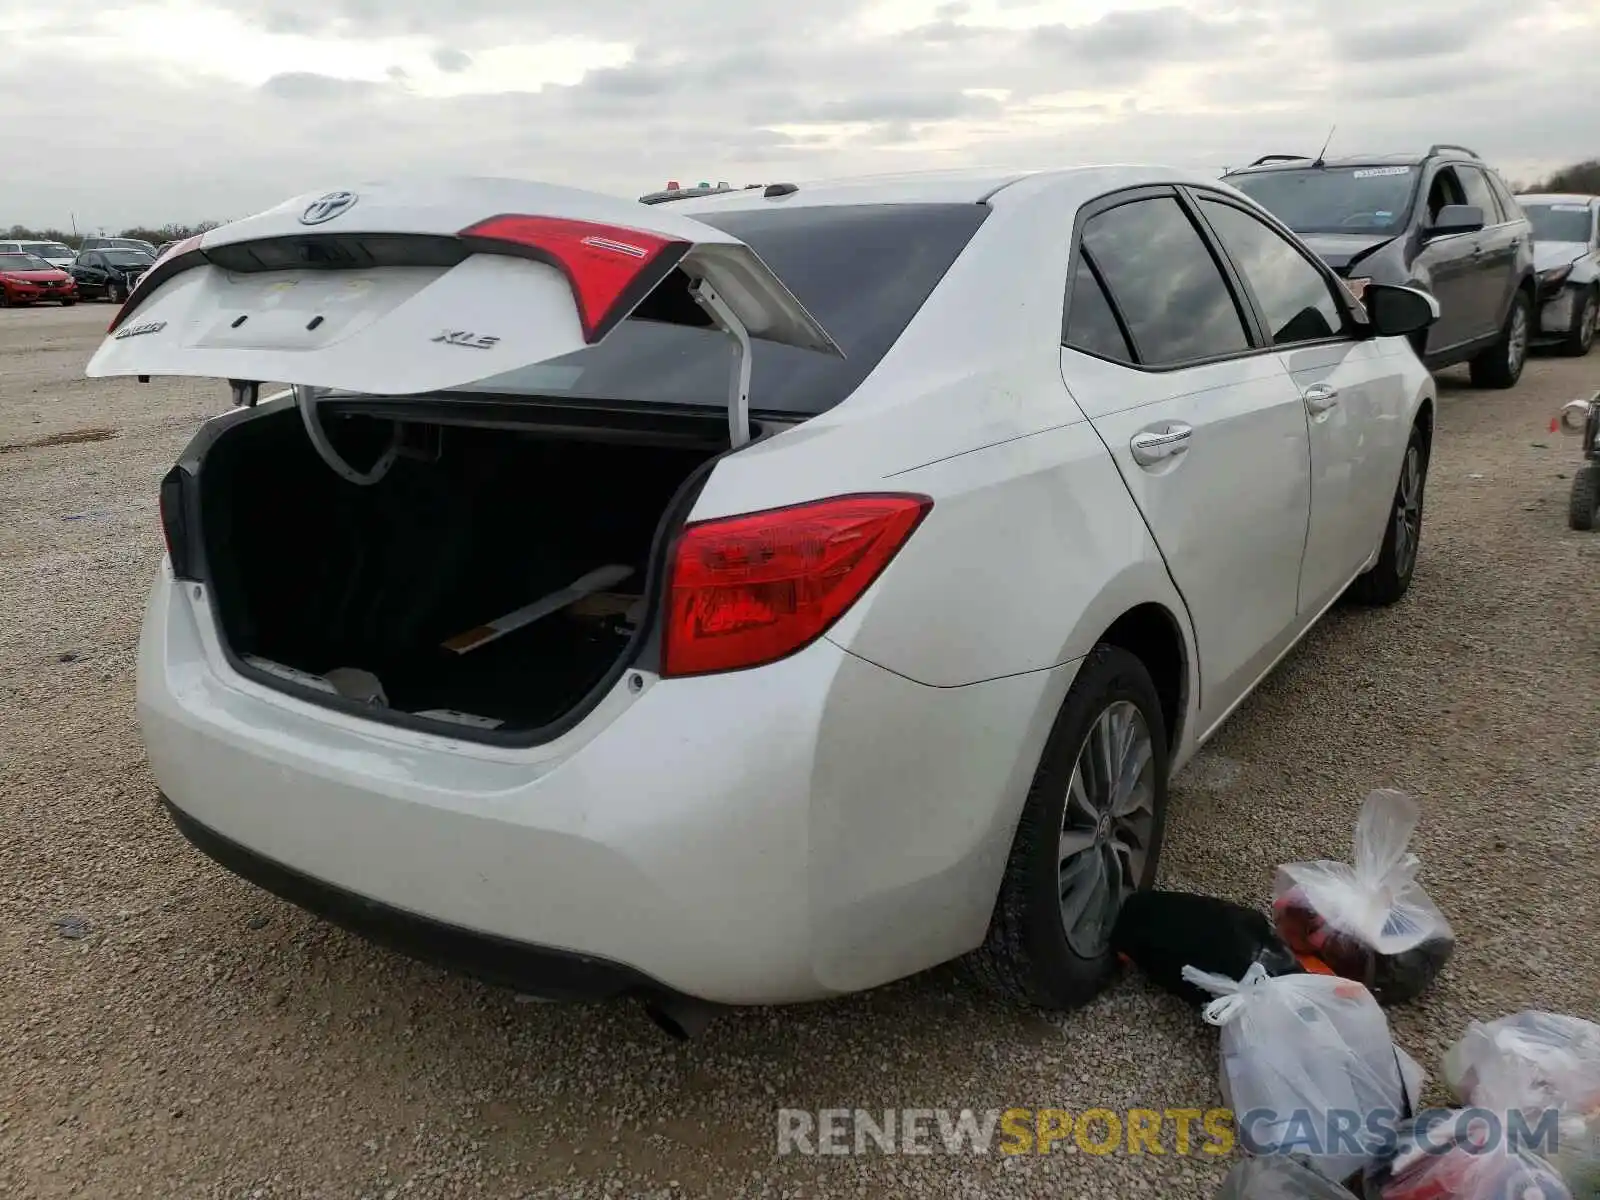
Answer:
[(172, 1032)]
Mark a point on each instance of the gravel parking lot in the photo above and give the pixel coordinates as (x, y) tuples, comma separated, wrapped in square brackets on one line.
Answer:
[(171, 1032)]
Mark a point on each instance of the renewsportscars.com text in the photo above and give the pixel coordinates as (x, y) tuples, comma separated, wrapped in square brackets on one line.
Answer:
[(1180, 1131)]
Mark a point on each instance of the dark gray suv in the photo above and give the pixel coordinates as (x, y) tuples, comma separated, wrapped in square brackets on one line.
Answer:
[(1443, 221)]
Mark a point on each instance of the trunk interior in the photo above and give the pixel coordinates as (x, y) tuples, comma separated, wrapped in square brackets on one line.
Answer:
[(315, 574)]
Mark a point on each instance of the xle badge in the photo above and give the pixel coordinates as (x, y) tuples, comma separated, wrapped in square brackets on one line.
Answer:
[(473, 341), (136, 330)]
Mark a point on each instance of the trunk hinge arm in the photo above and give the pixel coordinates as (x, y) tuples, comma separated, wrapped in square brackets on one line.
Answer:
[(305, 399), (739, 387)]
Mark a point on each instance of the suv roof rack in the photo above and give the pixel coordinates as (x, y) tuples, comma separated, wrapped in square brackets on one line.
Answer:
[(1266, 158), (1440, 147)]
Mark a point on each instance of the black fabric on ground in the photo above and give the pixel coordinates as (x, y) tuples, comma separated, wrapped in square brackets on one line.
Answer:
[(1163, 932)]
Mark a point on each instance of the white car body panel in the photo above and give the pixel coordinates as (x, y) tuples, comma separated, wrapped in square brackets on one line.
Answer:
[(1244, 410), (1354, 448), (817, 886), (842, 817)]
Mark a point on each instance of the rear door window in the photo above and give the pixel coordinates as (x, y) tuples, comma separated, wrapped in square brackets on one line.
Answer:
[(1165, 282), (863, 271), (1091, 324), (1295, 300)]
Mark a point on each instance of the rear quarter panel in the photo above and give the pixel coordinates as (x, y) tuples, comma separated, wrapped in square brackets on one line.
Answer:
[(1033, 546)]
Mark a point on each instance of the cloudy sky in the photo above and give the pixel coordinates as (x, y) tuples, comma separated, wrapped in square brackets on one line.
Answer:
[(148, 111)]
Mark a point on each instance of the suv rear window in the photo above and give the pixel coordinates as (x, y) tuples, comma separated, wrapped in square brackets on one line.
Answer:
[(1375, 199), (862, 270)]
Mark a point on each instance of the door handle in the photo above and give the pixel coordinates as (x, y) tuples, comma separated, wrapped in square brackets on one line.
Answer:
[(1320, 397), (1151, 446)]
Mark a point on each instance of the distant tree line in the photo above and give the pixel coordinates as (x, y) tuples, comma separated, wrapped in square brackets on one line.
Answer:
[(1582, 178), (167, 233)]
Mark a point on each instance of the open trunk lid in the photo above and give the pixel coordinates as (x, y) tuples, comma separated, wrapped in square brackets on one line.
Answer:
[(416, 288)]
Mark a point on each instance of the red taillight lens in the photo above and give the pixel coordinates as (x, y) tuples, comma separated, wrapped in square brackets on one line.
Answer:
[(610, 268), (749, 590)]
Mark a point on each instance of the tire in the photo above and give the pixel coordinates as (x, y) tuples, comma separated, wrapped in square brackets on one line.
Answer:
[(1500, 366), (1029, 954), (68, 303), (1390, 577), (1583, 511), (115, 293), (1580, 338)]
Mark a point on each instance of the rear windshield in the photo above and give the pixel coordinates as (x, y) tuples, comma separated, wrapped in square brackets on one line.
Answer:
[(1374, 199), (1558, 222), (862, 270)]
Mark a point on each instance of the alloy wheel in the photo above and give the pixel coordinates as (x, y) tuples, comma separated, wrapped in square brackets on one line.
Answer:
[(1107, 826), (1517, 341), (1408, 512)]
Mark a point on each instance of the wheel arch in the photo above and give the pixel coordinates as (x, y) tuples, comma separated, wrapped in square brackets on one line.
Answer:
[(1423, 422), (1152, 633)]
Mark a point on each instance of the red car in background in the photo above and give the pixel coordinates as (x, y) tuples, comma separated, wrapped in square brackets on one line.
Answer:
[(25, 279)]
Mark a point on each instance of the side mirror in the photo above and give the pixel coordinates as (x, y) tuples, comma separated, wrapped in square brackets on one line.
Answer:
[(1456, 218), (1398, 311)]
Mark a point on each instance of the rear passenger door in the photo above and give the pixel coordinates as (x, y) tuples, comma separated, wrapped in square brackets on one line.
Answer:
[(1495, 258), (1206, 428), (1353, 390)]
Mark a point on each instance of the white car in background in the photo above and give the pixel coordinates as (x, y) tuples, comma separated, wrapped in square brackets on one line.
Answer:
[(1566, 258), (54, 253), (760, 597)]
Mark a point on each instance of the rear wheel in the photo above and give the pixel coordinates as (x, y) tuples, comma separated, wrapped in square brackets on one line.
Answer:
[(1500, 366), (1090, 835), (1390, 576), (68, 303), (116, 293), (1584, 510), (1580, 338)]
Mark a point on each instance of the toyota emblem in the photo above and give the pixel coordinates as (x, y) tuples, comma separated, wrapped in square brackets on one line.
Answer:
[(328, 206)]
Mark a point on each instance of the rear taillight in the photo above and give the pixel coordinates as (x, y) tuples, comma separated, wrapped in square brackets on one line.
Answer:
[(175, 521), (611, 269), (752, 589)]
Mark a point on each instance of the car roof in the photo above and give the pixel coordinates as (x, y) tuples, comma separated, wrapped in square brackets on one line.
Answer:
[(1342, 161), (1557, 198), (961, 186)]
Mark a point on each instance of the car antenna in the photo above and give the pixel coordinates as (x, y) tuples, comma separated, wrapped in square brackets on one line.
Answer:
[(1322, 154)]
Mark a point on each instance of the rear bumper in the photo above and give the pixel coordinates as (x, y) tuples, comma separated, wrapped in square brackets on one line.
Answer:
[(811, 828), (534, 970)]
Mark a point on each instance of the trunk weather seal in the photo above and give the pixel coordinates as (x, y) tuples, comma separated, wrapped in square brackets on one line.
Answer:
[(642, 653)]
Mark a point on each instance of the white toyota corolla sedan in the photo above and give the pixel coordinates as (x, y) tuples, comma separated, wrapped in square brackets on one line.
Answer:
[(754, 598)]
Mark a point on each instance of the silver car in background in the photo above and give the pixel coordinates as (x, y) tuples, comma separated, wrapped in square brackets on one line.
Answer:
[(1566, 258)]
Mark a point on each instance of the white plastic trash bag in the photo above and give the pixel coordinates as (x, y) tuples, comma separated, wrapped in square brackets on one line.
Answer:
[(1530, 1059), (1369, 921), (1536, 1062), (1308, 1066)]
